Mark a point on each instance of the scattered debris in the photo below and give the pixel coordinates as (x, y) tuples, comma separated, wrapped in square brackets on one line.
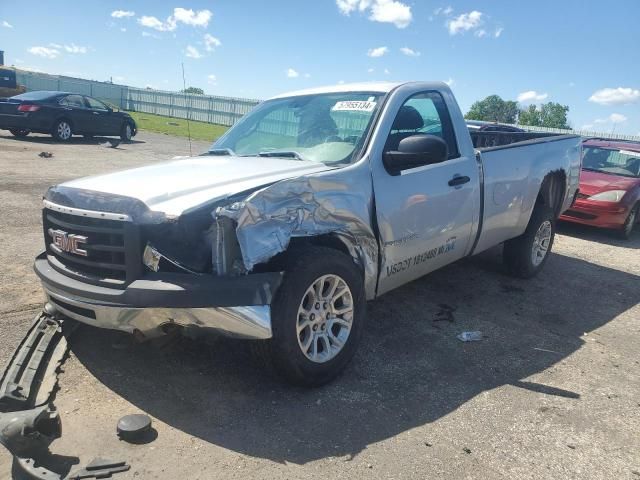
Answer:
[(173, 124), (445, 314), (470, 336), (571, 446), (133, 428), (45, 154), (110, 143), (28, 433), (29, 470), (466, 450), (545, 350), (31, 376), (100, 468), (427, 444)]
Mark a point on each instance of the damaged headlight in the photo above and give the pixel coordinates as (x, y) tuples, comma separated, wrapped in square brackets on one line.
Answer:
[(151, 258)]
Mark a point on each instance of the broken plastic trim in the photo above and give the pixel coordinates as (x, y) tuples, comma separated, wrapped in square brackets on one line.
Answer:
[(100, 468), (29, 433), (31, 376), (152, 258)]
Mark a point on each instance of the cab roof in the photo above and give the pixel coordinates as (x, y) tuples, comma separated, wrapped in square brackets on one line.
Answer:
[(374, 87)]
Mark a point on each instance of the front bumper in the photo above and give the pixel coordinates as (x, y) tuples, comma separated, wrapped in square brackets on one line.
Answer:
[(597, 214), (232, 306)]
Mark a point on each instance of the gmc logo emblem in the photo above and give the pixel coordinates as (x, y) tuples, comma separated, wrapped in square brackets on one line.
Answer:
[(67, 242)]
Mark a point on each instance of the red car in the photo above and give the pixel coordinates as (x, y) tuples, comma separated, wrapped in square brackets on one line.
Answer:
[(609, 194)]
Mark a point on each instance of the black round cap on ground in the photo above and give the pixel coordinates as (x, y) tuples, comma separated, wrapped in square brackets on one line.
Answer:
[(133, 427)]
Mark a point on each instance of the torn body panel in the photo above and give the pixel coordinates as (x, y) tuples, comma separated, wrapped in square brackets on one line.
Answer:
[(339, 202)]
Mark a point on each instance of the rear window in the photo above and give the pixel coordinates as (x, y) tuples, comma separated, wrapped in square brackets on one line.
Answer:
[(36, 95)]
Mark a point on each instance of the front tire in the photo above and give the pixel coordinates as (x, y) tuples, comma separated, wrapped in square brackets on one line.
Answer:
[(630, 222), (317, 317), (19, 132), (62, 130), (525, 255), (126, 133)]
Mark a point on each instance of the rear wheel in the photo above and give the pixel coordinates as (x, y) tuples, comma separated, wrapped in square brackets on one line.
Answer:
[(525, 255), (62, 131), (317, 317), (20, 132), (629, 223)]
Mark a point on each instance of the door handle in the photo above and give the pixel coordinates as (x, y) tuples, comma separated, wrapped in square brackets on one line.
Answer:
[(96, 113), (458, 180)]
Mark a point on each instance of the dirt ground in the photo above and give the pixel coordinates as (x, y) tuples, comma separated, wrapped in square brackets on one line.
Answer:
[(552, 390)]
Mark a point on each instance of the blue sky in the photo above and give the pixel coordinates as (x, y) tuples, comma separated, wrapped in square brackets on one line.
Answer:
[(584, 54)]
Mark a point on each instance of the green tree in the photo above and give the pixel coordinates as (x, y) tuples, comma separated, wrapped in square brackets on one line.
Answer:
[(194, 90), (530, 116), (551, 114), (493, 109)]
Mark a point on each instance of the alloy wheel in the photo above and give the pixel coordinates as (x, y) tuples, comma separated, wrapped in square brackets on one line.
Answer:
[(541, 243), (64, 131), (325, 318)]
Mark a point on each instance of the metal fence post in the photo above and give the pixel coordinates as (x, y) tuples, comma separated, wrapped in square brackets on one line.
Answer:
[(233, 113)]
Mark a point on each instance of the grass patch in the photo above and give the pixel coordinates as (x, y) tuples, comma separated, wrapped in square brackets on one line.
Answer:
[(178, 126)]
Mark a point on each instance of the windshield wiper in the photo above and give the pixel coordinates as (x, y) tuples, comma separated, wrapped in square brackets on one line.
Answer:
[(221, 152), (282, 154)]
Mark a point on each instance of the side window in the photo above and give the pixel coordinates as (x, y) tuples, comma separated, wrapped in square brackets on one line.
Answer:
[(95, 104), (423, 113), (74, 101)]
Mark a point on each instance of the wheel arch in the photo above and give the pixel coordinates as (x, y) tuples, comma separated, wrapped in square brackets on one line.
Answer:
[(553, 191), (343, 242)]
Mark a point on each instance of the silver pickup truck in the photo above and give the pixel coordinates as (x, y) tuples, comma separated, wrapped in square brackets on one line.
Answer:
[(314, 203)]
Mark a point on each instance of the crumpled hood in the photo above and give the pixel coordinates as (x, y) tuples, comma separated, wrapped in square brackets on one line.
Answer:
[(179, 185), (596, 182)]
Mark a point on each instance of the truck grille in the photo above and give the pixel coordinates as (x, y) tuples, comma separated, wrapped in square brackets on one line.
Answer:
[(113, 248)]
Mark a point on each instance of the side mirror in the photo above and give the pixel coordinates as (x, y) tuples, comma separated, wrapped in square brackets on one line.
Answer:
[(415, 151)]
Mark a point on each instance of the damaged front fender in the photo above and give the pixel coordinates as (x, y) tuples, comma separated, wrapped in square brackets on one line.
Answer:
[(338, 202)]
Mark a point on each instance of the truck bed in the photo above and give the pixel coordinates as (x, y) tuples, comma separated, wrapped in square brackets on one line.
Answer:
[(485, 140), (514, 165)]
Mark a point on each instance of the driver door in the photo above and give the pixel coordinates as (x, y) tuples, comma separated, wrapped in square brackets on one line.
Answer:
[(425, 214)]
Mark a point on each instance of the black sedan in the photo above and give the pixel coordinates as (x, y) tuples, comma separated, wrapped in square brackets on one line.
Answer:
[(63, 115)]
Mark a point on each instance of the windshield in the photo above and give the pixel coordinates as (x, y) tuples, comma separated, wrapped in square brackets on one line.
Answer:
[(328, 128), (612, 161)]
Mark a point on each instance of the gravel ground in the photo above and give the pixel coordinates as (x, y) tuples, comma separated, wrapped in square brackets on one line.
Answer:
[(552, 390)]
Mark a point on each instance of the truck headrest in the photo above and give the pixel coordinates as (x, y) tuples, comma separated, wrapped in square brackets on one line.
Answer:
[(408, 118)]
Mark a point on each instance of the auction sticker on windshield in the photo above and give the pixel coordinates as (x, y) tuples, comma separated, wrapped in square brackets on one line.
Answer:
[(354, 106)]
